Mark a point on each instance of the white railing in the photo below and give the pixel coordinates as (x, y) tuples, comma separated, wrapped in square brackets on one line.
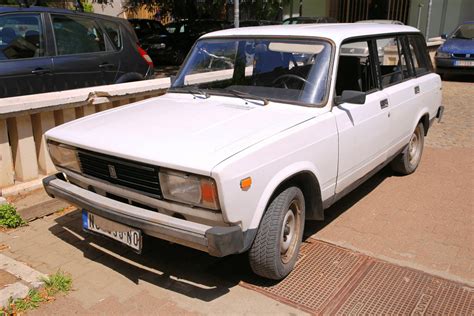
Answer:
[(25, 119)]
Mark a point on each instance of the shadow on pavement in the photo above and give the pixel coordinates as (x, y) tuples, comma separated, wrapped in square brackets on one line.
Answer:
[(459, 78), (184, 270), (345, 203), (177, 268)]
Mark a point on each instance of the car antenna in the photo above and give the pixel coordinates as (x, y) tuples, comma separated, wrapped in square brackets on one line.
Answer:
[(78, 5), (23, 3)]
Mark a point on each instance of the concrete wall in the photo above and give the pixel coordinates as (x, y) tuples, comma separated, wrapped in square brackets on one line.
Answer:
[(24, 121), (113, 8), (446, 15)]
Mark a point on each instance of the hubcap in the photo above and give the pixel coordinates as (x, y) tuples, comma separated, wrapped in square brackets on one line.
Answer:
[(290, 232), (414, 147)]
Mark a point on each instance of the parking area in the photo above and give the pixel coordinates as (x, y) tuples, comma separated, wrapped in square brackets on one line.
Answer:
[(423, 221)]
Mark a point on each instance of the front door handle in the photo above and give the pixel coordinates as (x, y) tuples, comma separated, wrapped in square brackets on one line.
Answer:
[(417, 89), (41, 71), (384, 103), (106, 66)]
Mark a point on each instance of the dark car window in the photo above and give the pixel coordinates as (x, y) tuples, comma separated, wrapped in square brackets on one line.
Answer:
[(113, 31), (21, 36), (77, 35), (465, 31)]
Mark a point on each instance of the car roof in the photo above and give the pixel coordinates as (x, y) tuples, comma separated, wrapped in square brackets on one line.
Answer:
[(337, 32), (381, 21), (56, 10)]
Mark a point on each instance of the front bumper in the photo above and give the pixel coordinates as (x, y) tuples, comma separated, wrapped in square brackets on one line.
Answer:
[(447, 65), (217, 241)]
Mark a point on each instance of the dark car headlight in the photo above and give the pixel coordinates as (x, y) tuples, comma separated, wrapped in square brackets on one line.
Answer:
[(442, 55)]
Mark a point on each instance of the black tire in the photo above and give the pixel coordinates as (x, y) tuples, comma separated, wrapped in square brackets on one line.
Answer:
[(409, 159), (267, 255)]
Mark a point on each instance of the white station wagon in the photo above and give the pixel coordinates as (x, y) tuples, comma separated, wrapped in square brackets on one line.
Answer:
[(262, 129)]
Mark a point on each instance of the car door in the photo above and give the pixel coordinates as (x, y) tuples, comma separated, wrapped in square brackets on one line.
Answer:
[(362, 128), (83, 57), (398, 82), (25, 67)]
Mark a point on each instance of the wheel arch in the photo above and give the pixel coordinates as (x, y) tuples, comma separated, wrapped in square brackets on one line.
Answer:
[(304, 178), (425, 120)]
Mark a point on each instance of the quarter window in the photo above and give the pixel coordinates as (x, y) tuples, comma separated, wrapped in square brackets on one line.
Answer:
[(21, 36), (421, 60), (113, 32), (392, 60), (77, 35)]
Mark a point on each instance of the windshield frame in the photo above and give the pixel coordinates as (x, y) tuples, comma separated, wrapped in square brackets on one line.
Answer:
[(211, 92), (452, 36)]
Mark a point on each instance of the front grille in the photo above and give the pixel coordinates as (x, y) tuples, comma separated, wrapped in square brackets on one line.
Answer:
[(466, 56), (134, 175)]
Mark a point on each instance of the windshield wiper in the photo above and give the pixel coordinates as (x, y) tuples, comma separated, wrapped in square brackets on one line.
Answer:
[(246, 96), (193, 91)]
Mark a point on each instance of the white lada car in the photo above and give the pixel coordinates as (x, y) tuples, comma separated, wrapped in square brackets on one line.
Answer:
[(262, 129)]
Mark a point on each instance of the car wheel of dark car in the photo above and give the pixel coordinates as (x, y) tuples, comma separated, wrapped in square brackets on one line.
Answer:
[(129, 77)]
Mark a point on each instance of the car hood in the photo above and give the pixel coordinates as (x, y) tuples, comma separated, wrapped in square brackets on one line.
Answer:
[(180, 131), (458, 46)]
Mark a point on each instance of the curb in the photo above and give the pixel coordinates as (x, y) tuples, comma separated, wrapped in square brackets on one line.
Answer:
[(30, 278)]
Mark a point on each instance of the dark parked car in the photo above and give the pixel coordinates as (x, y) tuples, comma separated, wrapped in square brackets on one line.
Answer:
[(309, 19), (186, 32), (456, 55), (162, 46), (248, 23), (46, 49)]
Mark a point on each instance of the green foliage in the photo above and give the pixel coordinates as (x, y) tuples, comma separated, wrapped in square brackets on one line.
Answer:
[(9, 217), (88, 6), (58, 282), (30, 302), (54, 284)]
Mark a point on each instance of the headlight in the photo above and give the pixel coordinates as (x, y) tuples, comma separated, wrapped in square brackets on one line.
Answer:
[(442, 55), (190, 189), (64, 156)]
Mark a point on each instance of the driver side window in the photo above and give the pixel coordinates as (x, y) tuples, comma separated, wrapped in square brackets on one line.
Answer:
[(355, 70)]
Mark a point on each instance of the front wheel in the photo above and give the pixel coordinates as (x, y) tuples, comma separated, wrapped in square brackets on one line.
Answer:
[(275, 249), (409, 159)]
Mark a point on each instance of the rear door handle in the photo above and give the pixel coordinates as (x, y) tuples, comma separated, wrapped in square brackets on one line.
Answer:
[(417, 89), (41, 71), (384, 103)]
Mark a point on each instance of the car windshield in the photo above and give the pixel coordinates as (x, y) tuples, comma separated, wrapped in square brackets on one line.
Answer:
[(294, 71), (465, 31)]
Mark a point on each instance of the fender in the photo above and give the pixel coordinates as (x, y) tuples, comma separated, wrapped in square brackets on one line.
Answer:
[(274, 183)]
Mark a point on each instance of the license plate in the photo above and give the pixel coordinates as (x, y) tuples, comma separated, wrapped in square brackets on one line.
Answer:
[(464, 63), (126, 235)]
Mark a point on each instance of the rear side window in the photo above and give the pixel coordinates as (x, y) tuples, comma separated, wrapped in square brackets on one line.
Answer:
[(113, 32), (419, 55), (77, 35), (392, 60), (21, 36)]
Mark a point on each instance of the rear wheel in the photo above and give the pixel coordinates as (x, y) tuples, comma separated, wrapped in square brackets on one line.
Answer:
[(409, 159), (275, 249)]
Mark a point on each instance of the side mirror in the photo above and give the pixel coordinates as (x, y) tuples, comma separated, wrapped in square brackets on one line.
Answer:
[(172, 79), (444, 36), (351, 96)]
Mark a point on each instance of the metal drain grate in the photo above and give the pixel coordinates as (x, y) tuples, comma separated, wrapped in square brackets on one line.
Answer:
[(321, 272), (389, 289), (328, 279)]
